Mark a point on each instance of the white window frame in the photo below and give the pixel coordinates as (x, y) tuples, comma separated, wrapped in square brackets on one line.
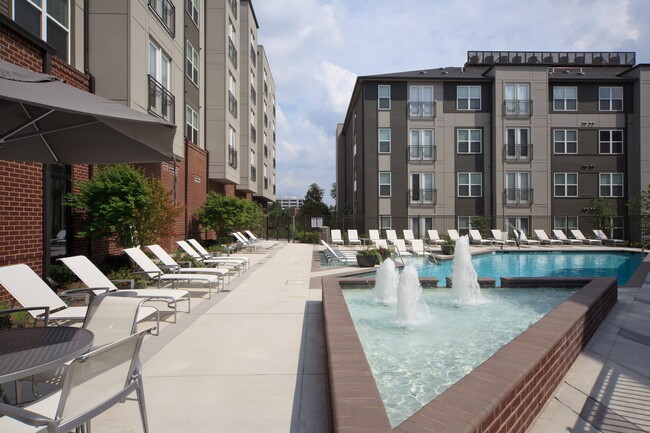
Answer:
[(384, 140), (564, 183), (474, 179), (422, 144), (385, 184), (514, 180), (421, 101), (468, 98), (192, 9), (422, 187), (191, 125), (519, 147), (383, 98), (565, 223), (43, 25), (385, 222), (161, 64), (606, 95), (191, 62), (471, 142), (517, 99), (561, 137), (610, 142), (560, 99), (607, 181)]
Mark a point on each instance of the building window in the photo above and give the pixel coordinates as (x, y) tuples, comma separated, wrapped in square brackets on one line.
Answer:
[(421, 146), (565, 223), (232, 46), (565, 184), (610, 141), (232, 147), (565, 98), (422, 189), (610, 184), (384, 222), (232, 91), (470, 184), (383, 97), (469, 141), (468, 97), (565, 141), (421, 101), (191, 63), (610, 98), (165, 11), (384, 184), (191, 125), (48, 20), (384, 141), (192, 8), (161, 100), (517, 100), (518, 190), (518, 145)]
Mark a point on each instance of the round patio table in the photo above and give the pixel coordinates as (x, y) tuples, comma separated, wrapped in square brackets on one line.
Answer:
[(28, 351)]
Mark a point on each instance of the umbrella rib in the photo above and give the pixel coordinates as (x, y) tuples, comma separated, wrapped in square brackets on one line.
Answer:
[(49, 131), (5, 138)]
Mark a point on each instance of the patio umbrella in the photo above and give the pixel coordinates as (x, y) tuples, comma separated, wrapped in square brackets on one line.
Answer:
[(42, 119)]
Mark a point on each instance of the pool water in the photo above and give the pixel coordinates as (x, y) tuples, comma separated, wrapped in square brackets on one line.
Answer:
[(413, 365), (540, 264)]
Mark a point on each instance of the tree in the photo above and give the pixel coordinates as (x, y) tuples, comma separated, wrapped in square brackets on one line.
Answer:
[(120, 202), (601, 213), (226, 214), (641, 205), (333, 191), (313, 204)]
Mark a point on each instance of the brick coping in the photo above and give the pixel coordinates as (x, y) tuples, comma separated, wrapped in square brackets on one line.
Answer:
[(504, 394)]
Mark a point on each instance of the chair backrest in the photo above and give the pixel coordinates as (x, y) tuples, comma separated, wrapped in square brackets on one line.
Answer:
[(162, 255), (142, 260), (28, 288), (408, 235), (373, 235), (578, 234), (205, 253), (453, 234), (522, 236), (94, 380), (251, 235), (391, 235), (111, 318), (88, 273), (353, 235), (559, 234), (600, 234), (418, 246), (475, 234), (541, 234), (61, 235), (381, 243), (400, 244), (189, 250), (433, 234), (336, 235), (496, 233)]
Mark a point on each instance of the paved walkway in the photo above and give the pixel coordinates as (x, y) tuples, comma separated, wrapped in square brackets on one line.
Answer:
[(251, 360)]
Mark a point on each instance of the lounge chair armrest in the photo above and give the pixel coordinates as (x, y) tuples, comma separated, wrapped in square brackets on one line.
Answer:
[(46, 312), (186, 264), (23, 415), (130, 281), (172, 268), (147, 273)]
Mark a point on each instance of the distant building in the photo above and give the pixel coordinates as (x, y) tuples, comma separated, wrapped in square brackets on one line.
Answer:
[(291, 202), (526, 139)]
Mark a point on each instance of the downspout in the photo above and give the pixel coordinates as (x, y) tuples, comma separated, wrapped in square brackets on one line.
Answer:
[(187, 187)]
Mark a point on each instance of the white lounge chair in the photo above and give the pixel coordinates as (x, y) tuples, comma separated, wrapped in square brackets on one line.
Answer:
[(171, 264), (499, 236), (544, 239), (453, 234), (578, 235), (400, 245), (32, 293), (559, 234), (239, 260), (238, 266), (476, 237), (391, 236), (337, 239), (353, 237), (152, 271), (418, 247), (434, 237), (408, 236), (373, 235), (523, 240), (381, 243), (603, 237), (345, 257), (95, 280), (254, 239)]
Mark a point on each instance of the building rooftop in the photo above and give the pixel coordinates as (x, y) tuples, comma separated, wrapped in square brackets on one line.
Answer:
[(437, 73), (552, 58)]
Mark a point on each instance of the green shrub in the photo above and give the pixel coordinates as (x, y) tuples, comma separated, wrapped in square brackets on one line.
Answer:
[(62, 276)]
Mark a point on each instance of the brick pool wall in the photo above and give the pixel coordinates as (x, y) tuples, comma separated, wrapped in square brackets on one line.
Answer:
[(504, 394)]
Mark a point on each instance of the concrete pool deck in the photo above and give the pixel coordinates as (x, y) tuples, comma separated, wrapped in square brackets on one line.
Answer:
[(252, 359)]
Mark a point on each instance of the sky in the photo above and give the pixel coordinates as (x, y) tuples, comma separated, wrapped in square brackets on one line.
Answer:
[(317, 48)]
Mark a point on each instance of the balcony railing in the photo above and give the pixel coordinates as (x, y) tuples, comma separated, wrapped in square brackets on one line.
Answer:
[(232, 157), (273, 162), (266, 121), (253, 57), (517, 108), (422, 109), (274, 137), (518, 197), (253, 173), (266, 151), (161, 100), (232, 104), (518, 152), (422, 153), (423, 197), (232, 52), (166, 13), (253, 95), (233, 7), (266, 182), (253, 134), (552, 58)]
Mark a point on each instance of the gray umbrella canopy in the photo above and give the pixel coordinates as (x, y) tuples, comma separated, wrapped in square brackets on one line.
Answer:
[(45, 120)]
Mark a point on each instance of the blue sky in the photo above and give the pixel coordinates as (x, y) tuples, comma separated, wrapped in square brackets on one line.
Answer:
[(317, 48)]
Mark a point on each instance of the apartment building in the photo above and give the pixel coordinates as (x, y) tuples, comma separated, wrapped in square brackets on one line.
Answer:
[(526, 139)]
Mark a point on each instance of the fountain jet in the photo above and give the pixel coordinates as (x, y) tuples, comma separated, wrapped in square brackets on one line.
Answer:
[(465, 288)]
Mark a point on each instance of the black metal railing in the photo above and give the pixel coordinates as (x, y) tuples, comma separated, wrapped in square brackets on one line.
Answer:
[(517, 108), (232, 157), (253, 56), (422, 153), (253, 134), (423, 197), (274, 137), (266, 120), (232, 104), (253, 173), (232, 52), (518, 196), (233, 7), (165, 11), (253, 95), (266, 151), (552, 58), (518, 152), (161, 100), (273, 162), (422, 109)]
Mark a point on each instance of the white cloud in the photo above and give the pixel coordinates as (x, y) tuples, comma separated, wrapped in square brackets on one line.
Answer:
[(338, 83)]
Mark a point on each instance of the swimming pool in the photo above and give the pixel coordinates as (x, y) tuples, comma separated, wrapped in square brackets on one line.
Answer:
[(620, 264)]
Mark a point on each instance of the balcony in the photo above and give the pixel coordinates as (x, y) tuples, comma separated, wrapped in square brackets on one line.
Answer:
[(422, 110), (266, 182), (517, 152), (232, 104), (232, 52), (166, 14), (253, 57), (232, 157), (422, 153), (517, 109), (266, 151), (253, 134), (253, 173), (266, 121), (518, 197), (233, 7), (253, 95), (423, 197), (161, 100)]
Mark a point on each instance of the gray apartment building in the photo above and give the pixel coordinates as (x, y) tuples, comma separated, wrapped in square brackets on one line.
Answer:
[(526, 139)]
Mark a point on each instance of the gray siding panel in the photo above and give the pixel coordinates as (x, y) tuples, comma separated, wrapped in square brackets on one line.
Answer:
[(4, 7)]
